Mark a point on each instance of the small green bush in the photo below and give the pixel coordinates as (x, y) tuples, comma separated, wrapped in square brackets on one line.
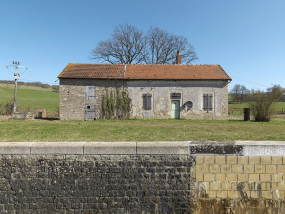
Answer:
[(6, 108)]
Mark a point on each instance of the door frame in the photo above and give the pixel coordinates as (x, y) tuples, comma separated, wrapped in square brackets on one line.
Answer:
[(174, 116)]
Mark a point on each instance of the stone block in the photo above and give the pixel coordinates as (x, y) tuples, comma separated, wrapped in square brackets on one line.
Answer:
[(199, 160), (254, 159), (279, 194), (237, 168), (202, 169), (215, 168), (233, 194), (162, 148), (281, 186), (15, 148), (222, 194), (215, 186), (212, 194), (267, 194), (231, 159), (220, 177), (209, 177), (265, 160), (231, 177), (226, 186), (273, 186), (281, 169), (249, 169), (277, 177), (111, 148), (243, 160), (270, 168), (265, 177), (259, 168), (226, 169), (242, 177), (220, 159), (277, 160), (209, 159), (234, 185), (253, 177), (199, 177), (265, 186), (254, 194), (67, 148)]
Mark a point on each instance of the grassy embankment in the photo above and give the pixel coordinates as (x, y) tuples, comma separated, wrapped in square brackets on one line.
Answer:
[(31, 98), (140, 130)]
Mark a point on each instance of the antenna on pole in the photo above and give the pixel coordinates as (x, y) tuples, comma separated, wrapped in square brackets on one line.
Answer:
[(16, 77)]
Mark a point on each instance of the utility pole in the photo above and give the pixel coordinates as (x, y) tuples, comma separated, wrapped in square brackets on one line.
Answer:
[(16, 65)]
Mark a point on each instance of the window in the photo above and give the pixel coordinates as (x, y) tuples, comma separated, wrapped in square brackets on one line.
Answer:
[(146, 101), (208, 102), (175, 96), (90, 92)]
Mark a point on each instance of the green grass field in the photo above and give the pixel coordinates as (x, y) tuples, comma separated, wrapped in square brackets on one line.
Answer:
[(237, 108), (31, 98), (140, 130)]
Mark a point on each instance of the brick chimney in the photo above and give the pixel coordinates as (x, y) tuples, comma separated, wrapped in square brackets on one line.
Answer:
[(178, 57)]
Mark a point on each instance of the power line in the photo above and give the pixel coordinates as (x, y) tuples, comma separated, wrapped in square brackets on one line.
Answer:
[(250, 82)]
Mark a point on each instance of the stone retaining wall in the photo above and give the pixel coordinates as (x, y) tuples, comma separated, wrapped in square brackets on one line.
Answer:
[(142, 177)]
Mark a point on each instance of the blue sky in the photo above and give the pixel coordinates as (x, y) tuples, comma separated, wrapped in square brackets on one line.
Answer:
[(246, 37)]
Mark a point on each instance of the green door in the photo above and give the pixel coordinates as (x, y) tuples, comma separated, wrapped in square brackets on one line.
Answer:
[(175, 109)]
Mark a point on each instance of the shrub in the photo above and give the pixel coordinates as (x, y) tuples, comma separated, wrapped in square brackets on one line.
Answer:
[(6, 108), (262, 103)]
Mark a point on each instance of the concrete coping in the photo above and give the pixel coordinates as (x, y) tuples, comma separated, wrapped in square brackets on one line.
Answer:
[(144, 148)]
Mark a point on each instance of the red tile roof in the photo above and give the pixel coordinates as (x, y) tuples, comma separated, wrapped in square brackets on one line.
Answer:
[(144, 72)]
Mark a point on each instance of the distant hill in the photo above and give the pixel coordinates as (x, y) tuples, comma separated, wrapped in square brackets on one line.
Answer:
[(31, 97)]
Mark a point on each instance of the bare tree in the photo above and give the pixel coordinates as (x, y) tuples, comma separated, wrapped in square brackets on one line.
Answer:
[(125, 46), (128, 45), (240, 93)]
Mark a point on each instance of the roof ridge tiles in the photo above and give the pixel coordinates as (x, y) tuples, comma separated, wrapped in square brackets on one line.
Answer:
[(141, 64)]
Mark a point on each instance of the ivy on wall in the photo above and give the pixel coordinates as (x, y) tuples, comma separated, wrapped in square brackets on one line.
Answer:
[(116, 104)]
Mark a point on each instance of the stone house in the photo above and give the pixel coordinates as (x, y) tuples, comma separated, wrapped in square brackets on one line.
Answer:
[(155, 91)]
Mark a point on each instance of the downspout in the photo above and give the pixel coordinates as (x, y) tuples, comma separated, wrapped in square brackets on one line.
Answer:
[(125, 70)]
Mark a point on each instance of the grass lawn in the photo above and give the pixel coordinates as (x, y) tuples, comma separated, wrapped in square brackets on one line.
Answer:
[(140, 130), (237, 108)]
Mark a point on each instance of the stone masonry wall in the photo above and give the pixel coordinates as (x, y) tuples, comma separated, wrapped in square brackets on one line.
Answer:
[(142, 177), (94, 184), (240, 184), (73, 100)]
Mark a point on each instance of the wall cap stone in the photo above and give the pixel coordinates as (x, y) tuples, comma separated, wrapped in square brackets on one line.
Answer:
[(246, 148), (161, 148), (110, 148)]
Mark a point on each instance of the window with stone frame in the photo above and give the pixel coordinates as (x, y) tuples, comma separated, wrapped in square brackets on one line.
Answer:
[(90, 92), (208, 102), (146, 101)]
